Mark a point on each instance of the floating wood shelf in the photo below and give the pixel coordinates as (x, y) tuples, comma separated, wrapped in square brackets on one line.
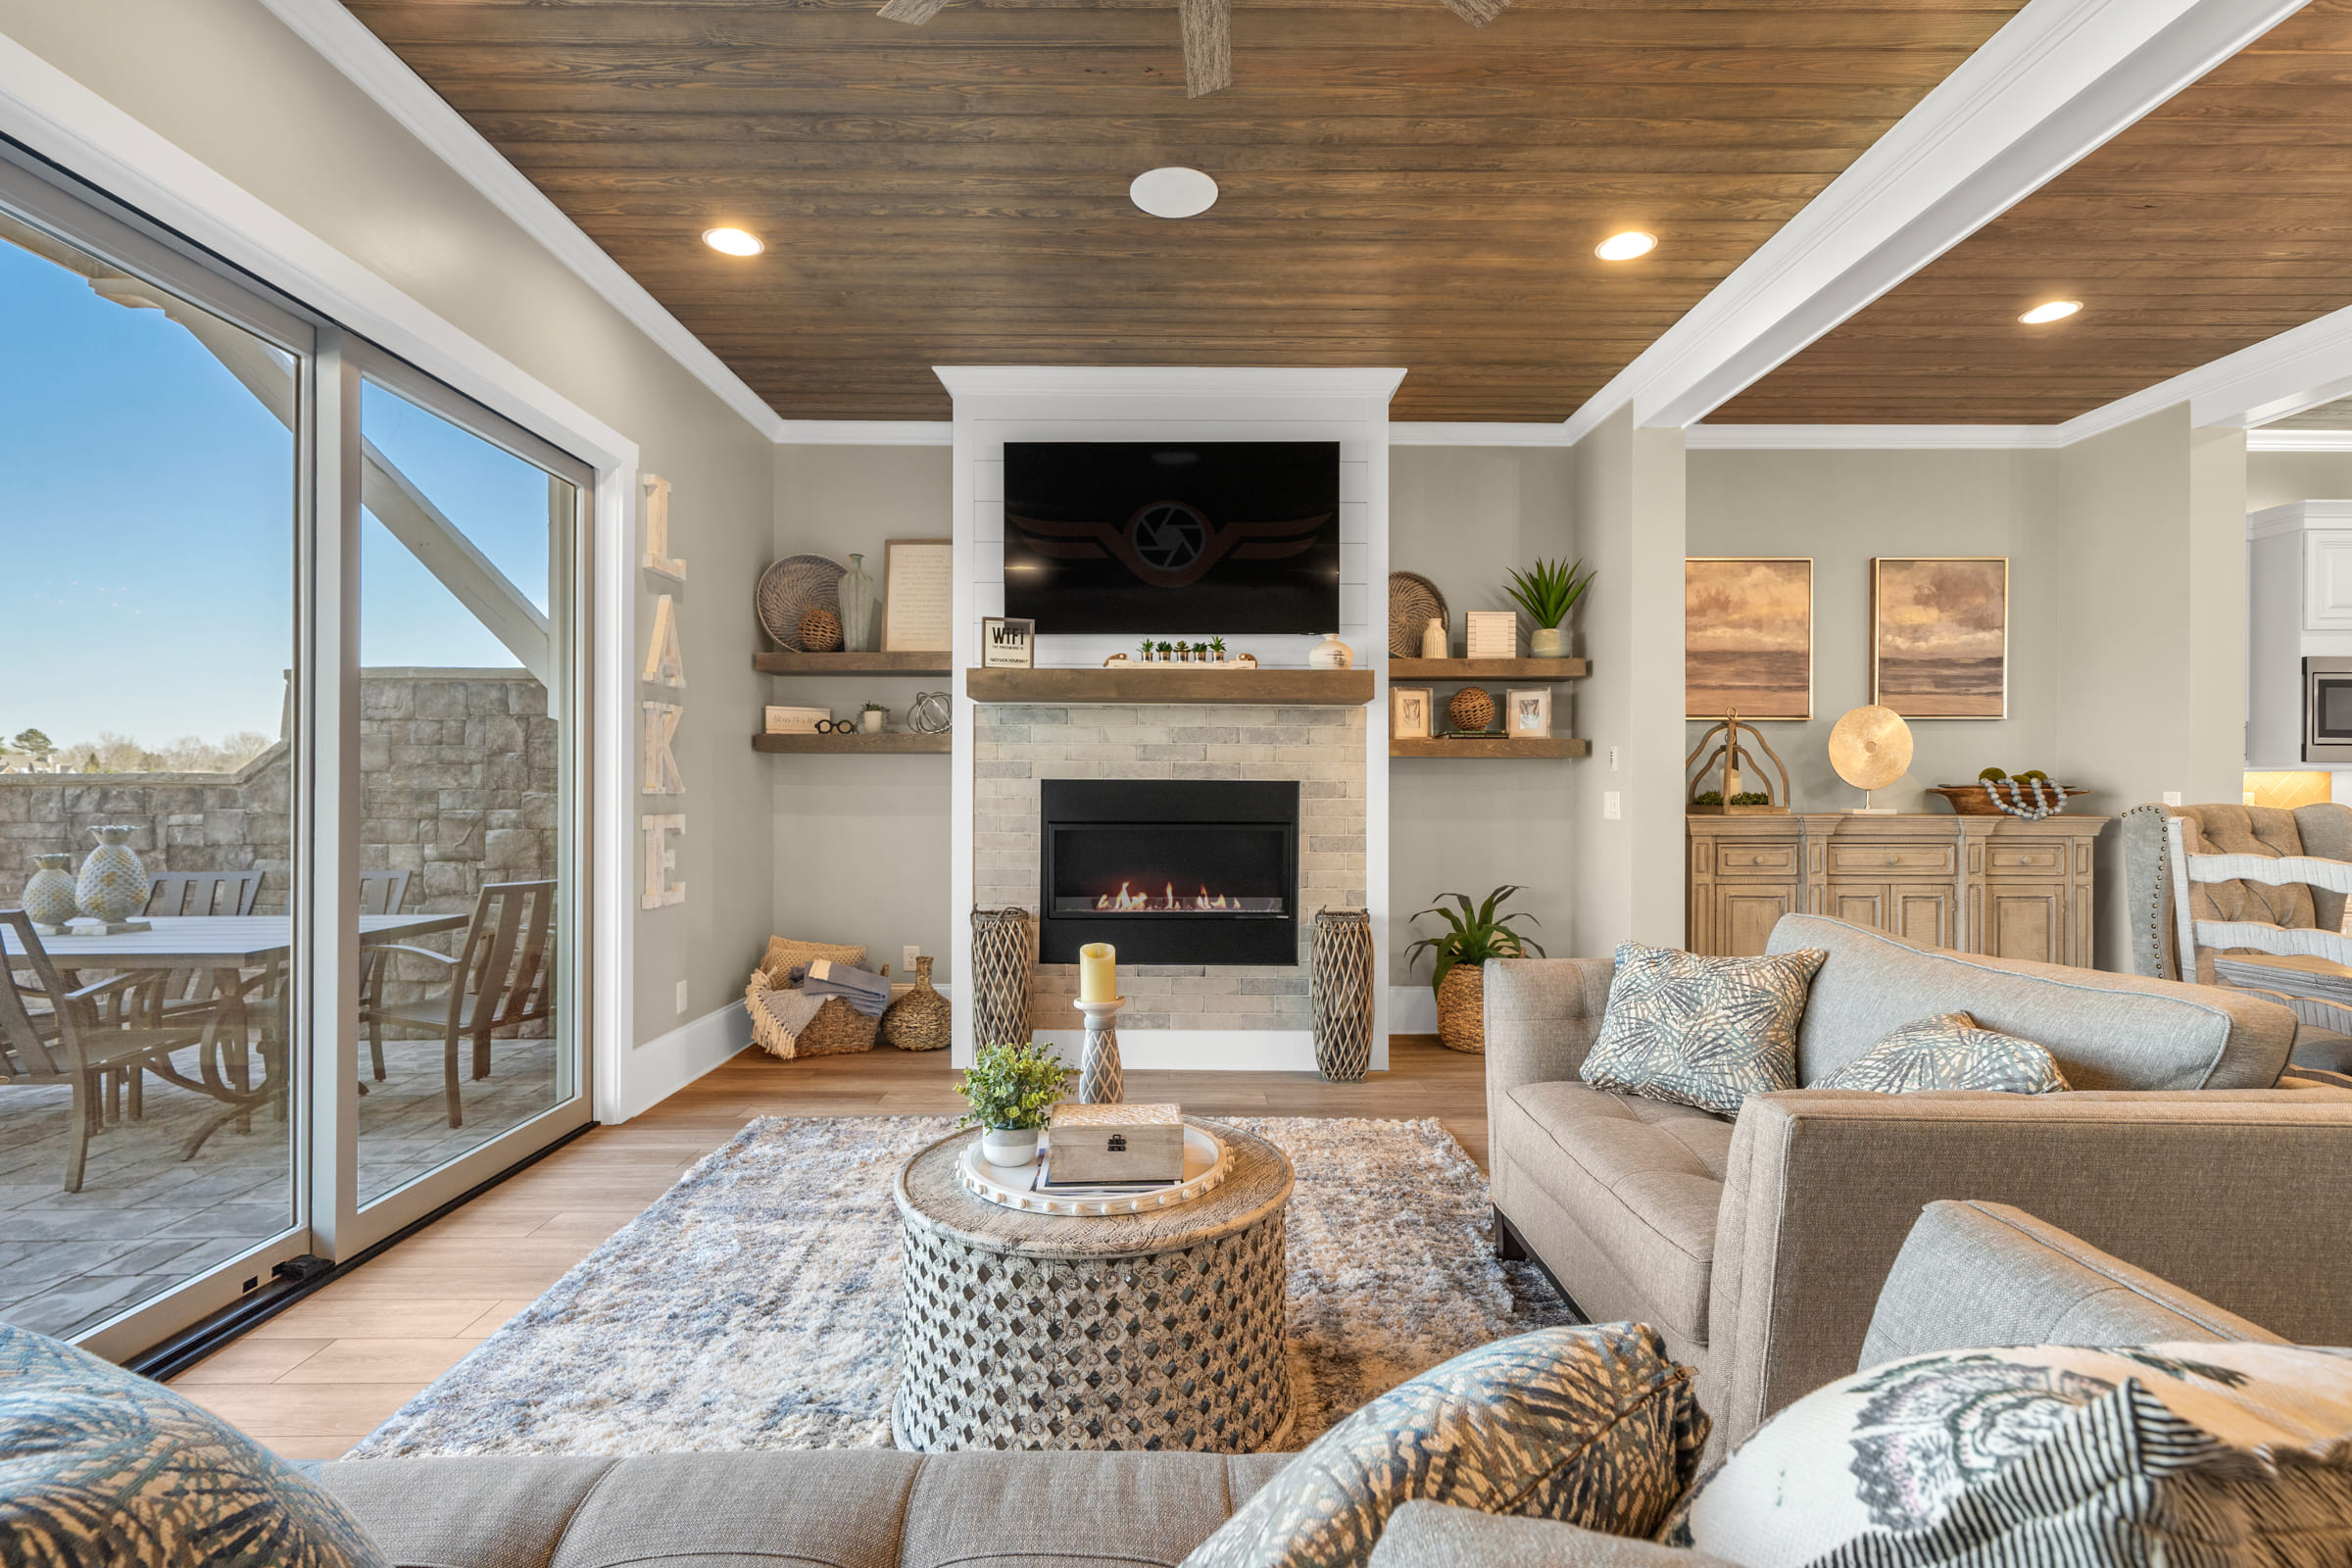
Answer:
[(1317, 688), (886, 744), (1535, 669), (933, 662), (1495, 746)]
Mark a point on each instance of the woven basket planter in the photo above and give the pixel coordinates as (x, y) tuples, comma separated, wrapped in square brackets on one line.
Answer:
[(1004, 949), (1340, 983), (1462, 1009)]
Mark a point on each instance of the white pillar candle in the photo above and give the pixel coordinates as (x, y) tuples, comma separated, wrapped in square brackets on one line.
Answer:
[(1097, 972)]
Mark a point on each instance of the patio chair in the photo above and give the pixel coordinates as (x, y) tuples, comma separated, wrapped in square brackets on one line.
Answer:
[(498, 979), (53, 1034), (173, 995), (189, 893), (380, 892)]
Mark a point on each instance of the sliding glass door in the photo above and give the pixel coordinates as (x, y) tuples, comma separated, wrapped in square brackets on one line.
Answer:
[(293, 698)]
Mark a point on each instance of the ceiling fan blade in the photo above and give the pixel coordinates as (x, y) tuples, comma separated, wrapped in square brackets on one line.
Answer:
[(1207, 27), (915, 12), (1477, 13)]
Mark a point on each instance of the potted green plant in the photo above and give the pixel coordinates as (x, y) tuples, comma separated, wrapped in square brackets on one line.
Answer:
[(1474, 934), (1216, 650), (1548, 593), (873, 715), (1147, 649), (1184, 653), (1011, 1091), (1167, 654)]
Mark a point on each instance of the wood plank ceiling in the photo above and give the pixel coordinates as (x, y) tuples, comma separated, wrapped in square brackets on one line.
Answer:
[(1398, 188), (2222, 219)]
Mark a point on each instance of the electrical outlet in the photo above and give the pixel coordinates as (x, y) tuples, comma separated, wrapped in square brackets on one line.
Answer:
[(907, 957), (681, 995), (1611, 805), (1612, 759), (2172, 797)]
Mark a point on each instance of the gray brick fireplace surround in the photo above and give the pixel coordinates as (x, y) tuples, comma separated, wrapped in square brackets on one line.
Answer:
[(1322, 748)]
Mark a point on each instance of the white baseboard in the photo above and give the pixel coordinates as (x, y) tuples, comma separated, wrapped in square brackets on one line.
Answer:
[(1412, 1010), (1199, 1049), (667, 1063)]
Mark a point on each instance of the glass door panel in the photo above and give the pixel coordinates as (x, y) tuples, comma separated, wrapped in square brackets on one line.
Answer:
[(466, 726), (147, 651)]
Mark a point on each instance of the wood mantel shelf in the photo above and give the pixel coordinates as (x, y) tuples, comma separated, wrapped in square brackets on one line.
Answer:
[(1308, 688), (933, 662), (898, 742), (1534, 669), (1491, 746)]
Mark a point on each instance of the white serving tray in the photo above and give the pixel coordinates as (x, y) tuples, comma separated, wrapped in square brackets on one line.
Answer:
[(1207, 1164)]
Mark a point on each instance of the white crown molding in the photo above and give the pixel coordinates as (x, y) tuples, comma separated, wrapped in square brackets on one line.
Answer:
[(866, 433), (2295, 517), (1470, 434), (1870, 437), (1162, 380), (2054, 83), (2300, 440), (345, 44)]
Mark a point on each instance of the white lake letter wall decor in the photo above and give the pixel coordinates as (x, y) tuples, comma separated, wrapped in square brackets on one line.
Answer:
[(662, 834), (664, 665), (657, 530), (661, 775)]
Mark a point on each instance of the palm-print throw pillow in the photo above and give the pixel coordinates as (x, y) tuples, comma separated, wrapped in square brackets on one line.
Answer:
[(99, 1468), (1950, 1050), (1592, 1425), (1701, 1031), (2153, 1456)]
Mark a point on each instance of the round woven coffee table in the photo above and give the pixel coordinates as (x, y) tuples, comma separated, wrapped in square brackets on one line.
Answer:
[(1132, 1331)]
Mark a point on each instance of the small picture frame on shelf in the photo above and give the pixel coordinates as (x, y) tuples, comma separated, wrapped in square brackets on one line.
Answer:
[(1527, 714), (1008, 643), (1408, 712), (1493, 634)]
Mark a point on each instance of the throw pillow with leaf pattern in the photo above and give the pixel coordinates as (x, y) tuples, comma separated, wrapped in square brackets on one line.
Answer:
[(1950, 1050), (1592, 1425), (1701, 1031)]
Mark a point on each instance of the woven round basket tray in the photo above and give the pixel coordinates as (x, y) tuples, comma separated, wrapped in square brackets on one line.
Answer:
[(789, 589), (1413, 603)]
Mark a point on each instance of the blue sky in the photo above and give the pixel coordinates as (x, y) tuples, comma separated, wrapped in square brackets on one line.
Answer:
[(146, 529)]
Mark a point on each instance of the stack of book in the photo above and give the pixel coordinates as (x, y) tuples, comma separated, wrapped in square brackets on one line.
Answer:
[(796, 721)]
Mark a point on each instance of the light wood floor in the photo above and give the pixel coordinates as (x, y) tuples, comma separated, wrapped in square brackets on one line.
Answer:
[(317, 1378)]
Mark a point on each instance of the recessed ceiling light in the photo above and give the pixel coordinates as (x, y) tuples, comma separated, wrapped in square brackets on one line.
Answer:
[(1626, 246), (1173, 192), (2055, 310), (734, 241)]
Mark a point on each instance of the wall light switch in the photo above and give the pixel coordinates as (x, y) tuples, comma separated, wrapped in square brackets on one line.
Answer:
[(2172, 797), (907, 957), (681, 995), (1611, 806), (1612, 759)]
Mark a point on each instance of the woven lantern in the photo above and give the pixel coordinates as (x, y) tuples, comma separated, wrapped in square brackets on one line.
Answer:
[(1471, 710), (820, 630)]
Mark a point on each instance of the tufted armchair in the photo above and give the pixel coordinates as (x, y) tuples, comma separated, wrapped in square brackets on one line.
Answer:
[(2323, 831)]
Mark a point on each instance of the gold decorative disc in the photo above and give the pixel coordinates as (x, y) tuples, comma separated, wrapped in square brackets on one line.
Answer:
[(1871, 748)]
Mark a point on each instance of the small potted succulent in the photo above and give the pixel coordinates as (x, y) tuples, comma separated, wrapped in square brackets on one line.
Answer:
[(872, 717), (1011, 1091), (1184, 653), (1147, 649), (1548, 593), (1167, 654), (1216, 650)]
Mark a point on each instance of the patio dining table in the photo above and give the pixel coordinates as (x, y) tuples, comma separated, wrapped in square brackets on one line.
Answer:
[(224, 946)]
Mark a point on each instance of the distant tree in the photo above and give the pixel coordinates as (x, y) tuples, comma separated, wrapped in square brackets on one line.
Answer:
[(34, 744)]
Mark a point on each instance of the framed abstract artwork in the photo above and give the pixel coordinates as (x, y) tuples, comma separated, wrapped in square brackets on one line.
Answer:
[(1748, 636), (1940, 635)]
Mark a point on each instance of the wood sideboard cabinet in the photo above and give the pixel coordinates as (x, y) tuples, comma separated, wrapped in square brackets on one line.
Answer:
[(1994, 885)]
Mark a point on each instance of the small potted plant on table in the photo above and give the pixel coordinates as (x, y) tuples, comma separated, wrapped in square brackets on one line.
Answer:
[(1476, 934), (1011, 1091), (1547, 594)]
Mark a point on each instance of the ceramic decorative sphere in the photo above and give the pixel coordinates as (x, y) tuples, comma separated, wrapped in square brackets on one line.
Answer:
[(113, 885), (1471, 708), (820, 632)]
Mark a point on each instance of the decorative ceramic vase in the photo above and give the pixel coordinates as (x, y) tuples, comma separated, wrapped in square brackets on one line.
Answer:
[(1331, 654), (917, 1020), (49, 894), (113, 885), (1548, 642), (1433, 639), (872, 720), (1009, 1146), (857, 606)]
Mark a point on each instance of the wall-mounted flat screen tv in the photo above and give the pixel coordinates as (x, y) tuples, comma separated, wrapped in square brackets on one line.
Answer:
[(1173, 538)]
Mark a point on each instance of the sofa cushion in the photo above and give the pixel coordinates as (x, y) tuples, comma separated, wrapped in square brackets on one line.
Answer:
[(2105, 1031), (1642, 1177), (1437, 1534), (1697, 1030), (1949, 1052), (1592, 1425), (2161, 1454), (100, 1467)]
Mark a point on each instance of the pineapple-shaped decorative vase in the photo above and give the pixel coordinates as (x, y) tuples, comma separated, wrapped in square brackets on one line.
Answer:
[(49, 895), (113, 885), (917, 1020)]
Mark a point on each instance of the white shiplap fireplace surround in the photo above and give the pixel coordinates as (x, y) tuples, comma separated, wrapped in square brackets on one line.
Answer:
[(1198, 1016)]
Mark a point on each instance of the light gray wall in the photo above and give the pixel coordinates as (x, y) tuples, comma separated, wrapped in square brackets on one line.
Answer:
[(860, 843), (1463, 517), (2275, 479), (1843, 508), (226, 81)]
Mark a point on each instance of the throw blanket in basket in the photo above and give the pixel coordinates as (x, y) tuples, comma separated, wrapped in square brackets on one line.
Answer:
[(789, 1022)]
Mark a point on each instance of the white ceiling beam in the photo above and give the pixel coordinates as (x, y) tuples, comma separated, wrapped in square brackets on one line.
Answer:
[(1870, 437), (2056, 82)]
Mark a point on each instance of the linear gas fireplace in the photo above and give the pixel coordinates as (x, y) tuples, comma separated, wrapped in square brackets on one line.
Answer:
[(1168, 871)]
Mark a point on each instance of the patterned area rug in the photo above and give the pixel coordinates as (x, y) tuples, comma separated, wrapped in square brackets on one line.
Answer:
[(756, 1304)]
